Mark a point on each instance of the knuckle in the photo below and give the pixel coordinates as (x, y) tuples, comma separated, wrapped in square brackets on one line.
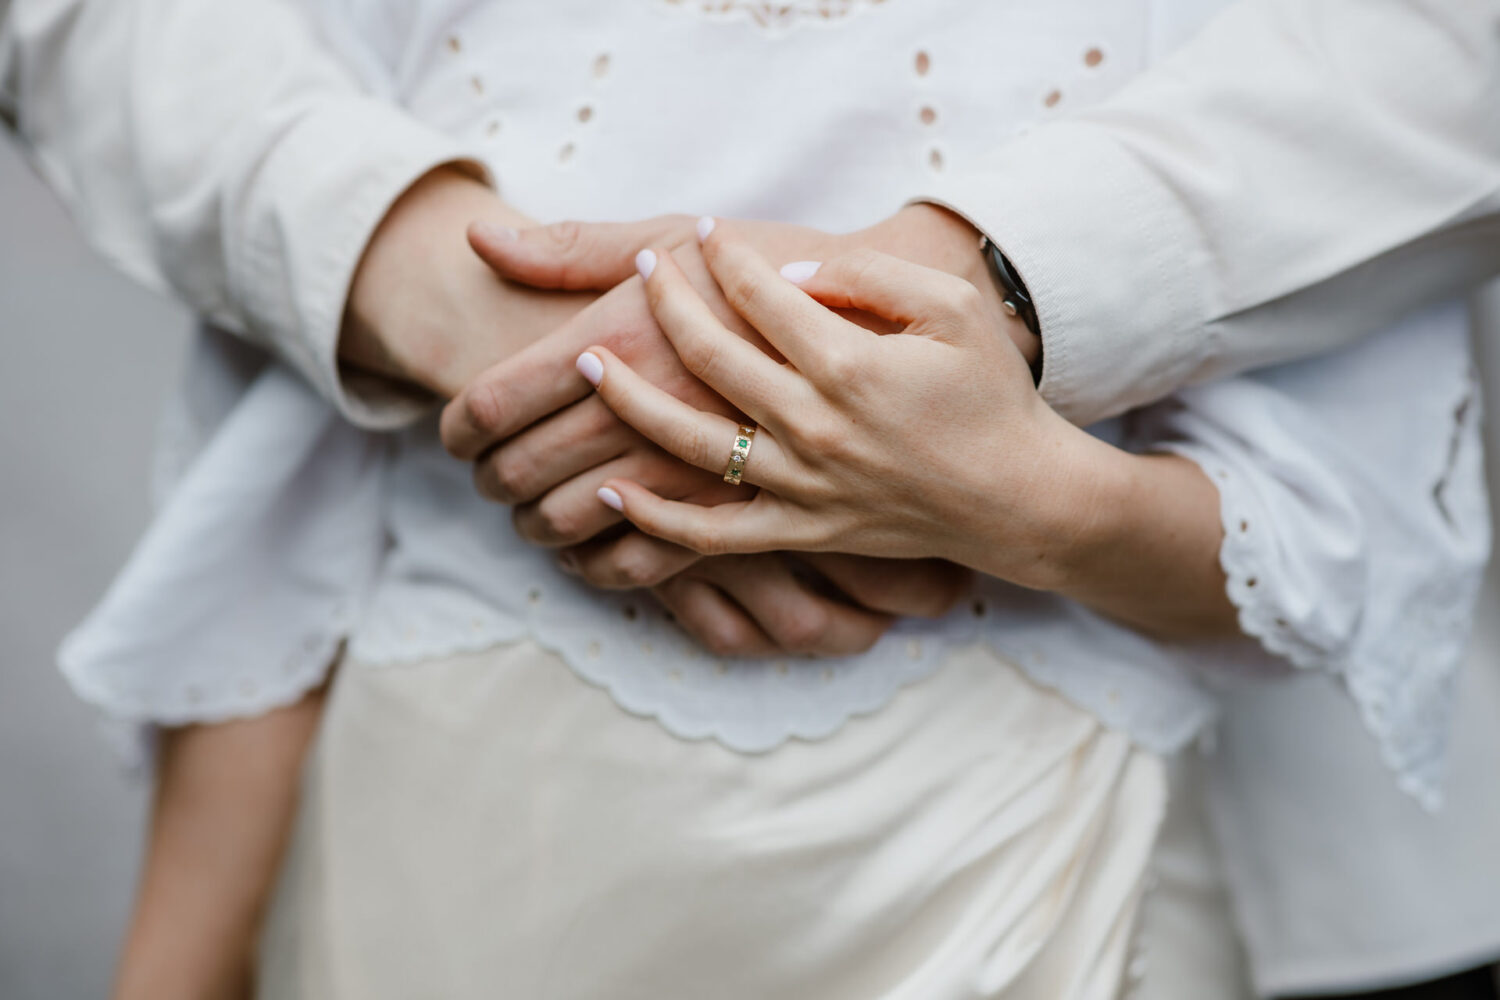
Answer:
[(817, 437), (742, 290), (701, 357), (964, 302), (513, 475), (706, 542), (804, 630), (635, 569), (728, 638), (567, 238), (484, 406)]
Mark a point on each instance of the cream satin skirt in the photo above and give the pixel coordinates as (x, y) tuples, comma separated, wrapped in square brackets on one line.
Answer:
[(492, 826)]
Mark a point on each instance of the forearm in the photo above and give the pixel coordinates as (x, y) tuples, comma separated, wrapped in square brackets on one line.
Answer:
[(225, 798), (1151, 558)]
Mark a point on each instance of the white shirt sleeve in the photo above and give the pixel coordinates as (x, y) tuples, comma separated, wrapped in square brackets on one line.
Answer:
[(220, 151), (1356, 527), (1297, 175)]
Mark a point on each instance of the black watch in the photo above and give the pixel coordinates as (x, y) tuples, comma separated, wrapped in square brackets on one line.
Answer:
[(1014, 297)]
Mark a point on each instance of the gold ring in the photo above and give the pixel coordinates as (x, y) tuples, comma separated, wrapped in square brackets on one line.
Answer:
[(739, 455)]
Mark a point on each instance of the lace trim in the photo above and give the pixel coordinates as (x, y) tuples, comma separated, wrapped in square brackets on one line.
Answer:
[(651, 669), (1399, 689)]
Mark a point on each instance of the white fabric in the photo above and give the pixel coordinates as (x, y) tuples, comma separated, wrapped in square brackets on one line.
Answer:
[(457, 578), (217, 151), (1340, 885), (490, 826), (1347, 475), (1298, 175), (1096, 207)]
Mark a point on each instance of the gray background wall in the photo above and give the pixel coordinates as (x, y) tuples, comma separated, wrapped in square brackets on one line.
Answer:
[(86, 357)]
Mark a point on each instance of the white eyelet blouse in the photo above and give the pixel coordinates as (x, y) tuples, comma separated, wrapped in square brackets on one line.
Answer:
[(1355, 517)]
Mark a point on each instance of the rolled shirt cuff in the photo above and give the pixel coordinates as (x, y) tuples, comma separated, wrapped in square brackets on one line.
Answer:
[(1112, 259), (315, 203)]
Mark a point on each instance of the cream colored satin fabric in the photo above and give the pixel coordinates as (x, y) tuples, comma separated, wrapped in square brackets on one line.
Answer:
[(491, 826)]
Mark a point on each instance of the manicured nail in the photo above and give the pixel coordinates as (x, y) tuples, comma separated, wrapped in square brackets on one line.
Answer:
[(705, 226), (799, 271), (495, 232), (610, 498), (591, 368), (645, 262), (568, 563)]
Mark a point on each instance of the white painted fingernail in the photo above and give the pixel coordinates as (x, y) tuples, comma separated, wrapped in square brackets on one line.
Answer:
[(799, 271), (705, 226), (495, 232), (591, 368), (645, 262), (610, 498)]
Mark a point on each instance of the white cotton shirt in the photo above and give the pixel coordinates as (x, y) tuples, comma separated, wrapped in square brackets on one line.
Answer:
[(820, 120)]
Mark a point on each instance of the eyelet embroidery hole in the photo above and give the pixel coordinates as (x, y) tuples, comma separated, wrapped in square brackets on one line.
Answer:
[(565, 155), (534, 595), (928, 115), (477, 83), (630, 612), (1244, 526), (923, 63), (454, 45), (935, 159), (1053, 98), (492, 129), (585, 114), (978, 609), (1251, 582), (1093, 57), (601, 66)]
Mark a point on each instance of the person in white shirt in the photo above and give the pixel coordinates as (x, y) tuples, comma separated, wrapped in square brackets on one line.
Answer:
[(1044, 327)]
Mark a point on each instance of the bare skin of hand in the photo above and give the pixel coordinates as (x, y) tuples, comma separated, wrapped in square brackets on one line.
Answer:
[(548, 452), (425, 311), (926, 442)]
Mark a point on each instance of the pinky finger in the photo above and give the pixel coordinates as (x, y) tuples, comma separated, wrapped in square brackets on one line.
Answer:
[(761, 524)]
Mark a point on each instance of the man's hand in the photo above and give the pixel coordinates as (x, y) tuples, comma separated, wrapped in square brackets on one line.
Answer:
[(423, 311)]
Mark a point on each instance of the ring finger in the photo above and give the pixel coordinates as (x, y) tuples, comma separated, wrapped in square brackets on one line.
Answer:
[(701, 439)]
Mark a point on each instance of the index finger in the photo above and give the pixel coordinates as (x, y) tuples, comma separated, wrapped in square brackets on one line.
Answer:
[(802, 329), (511, 396)]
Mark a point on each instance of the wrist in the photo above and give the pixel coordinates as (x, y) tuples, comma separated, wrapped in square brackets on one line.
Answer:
[(1058, 521), (405, 317)]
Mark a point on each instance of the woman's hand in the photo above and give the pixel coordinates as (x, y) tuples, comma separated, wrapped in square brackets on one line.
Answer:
[(927, 442), (930, 441)]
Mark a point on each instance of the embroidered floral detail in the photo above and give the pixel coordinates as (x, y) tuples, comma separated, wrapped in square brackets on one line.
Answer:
[(773, 15)]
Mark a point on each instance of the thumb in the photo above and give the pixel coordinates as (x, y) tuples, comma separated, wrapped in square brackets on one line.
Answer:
[(575, 256)]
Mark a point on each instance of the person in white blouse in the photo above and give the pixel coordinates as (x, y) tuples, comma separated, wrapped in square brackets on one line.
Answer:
[(1055, 358)]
